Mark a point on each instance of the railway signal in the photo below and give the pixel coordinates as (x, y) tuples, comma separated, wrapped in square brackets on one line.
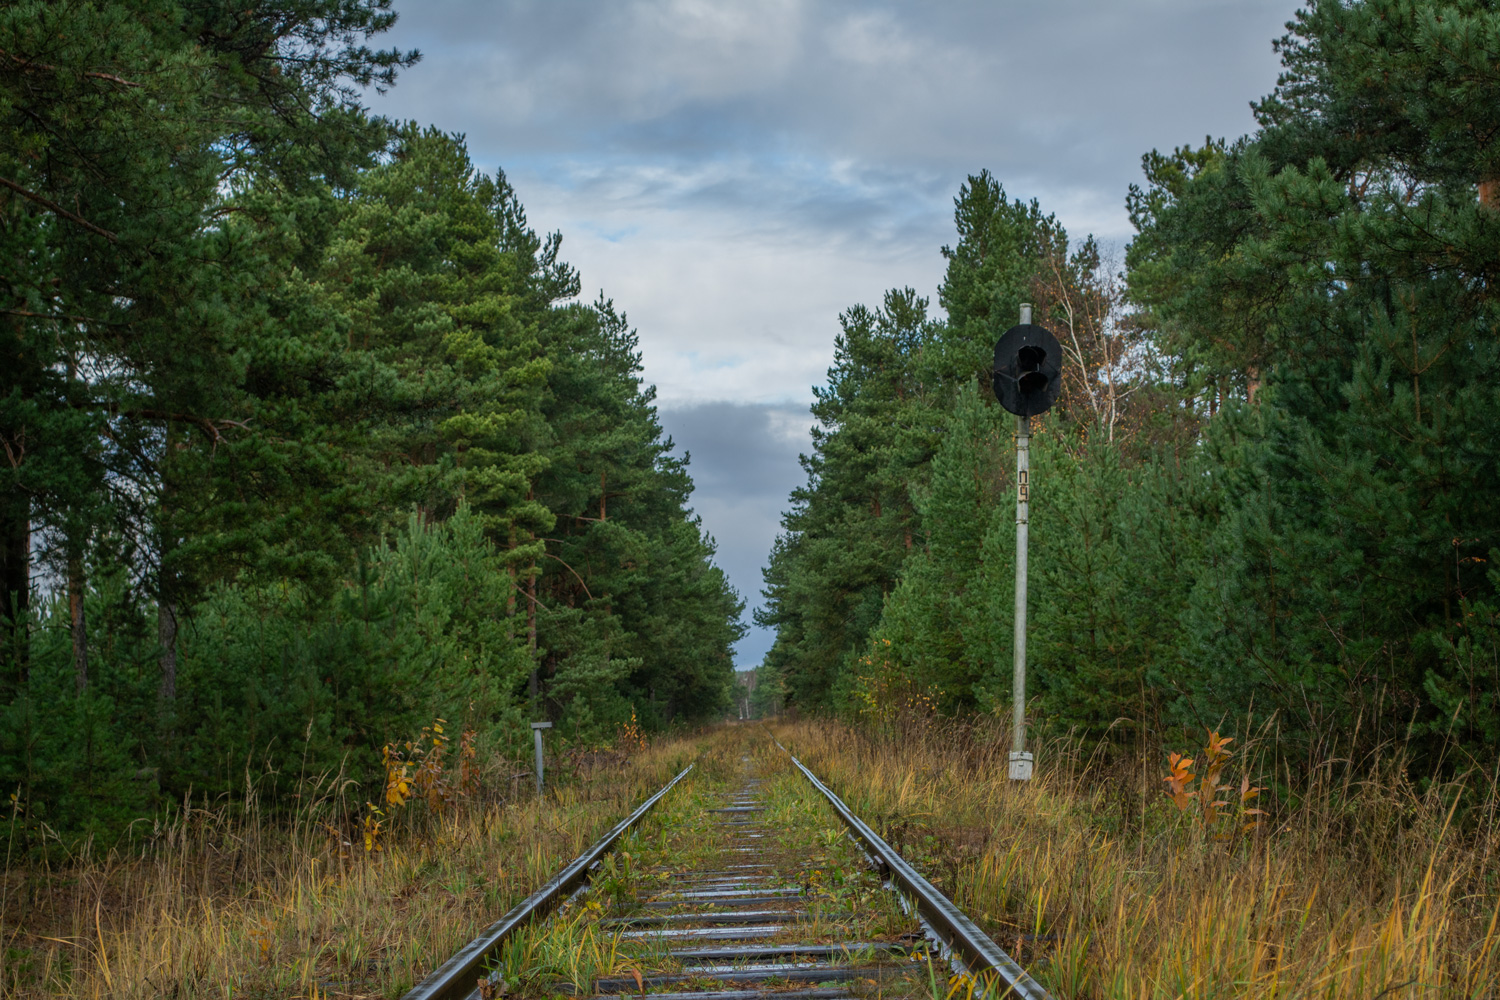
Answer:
[(1027, 378), (1028, 368)]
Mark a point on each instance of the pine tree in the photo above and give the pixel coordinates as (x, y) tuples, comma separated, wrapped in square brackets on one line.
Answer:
[(308, 425), (1344, 254), (113, 231), (854, 524)]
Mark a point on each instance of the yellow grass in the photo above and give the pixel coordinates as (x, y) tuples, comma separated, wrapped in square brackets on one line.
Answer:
[(1365, 890), (1094, 879), (221, 902)]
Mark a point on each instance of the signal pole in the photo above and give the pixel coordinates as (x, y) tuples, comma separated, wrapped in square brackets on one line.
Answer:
[(1027, 379), (1020, 759)]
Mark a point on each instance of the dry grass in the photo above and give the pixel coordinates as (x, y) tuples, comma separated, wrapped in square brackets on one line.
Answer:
[(1364, 890), (223, 902)]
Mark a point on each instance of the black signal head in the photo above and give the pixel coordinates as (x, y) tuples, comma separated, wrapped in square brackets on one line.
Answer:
[(1028, 370)]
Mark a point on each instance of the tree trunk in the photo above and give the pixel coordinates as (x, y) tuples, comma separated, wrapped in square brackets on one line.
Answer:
[(510, 595), (78, 622), (15, 578), (1489, 193), (166, 637), (536, 684), (166, 591)]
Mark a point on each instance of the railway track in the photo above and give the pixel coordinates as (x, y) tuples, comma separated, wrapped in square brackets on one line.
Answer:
[(759, 882)]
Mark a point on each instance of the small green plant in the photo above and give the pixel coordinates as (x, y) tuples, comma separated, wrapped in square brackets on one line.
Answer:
[(615, 882)]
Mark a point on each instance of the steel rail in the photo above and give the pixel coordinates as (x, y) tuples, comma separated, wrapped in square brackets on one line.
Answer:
[(961, 934), (459, 976)]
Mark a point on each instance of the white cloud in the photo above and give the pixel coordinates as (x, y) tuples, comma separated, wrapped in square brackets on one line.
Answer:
[(739, 321), (731, 304)]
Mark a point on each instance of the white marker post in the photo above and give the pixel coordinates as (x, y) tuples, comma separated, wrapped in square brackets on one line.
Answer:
[(1020, 759), (536, 731)]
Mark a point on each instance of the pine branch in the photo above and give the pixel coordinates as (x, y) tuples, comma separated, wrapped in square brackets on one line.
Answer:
[(212, 425), (570, 569), (61, 317), (27, 64), (54, 207), (18, 453)]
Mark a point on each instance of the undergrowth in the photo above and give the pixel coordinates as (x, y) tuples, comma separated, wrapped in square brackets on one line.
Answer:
[(1167, 877), (1171, 873), (344, 898)]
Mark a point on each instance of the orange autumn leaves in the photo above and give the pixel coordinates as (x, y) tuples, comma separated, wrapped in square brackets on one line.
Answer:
[(1213, 803)]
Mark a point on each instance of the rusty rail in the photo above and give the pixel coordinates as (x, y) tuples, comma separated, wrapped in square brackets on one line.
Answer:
[(460, 975)]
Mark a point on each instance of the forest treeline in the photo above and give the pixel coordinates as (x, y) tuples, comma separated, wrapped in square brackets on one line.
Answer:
[(309, 440), (1269, 495)]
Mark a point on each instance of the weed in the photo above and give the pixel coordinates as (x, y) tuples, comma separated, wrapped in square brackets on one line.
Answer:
[(1205, 803)]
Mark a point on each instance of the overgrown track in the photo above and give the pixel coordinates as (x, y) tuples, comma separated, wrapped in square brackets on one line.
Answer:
[(749, 888)]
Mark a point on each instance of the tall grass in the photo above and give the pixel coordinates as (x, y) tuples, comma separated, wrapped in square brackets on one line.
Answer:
[(1365, 888), (224, 900), (1351, 888)]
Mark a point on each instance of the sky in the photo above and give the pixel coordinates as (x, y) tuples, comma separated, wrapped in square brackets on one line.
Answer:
[(735, 173)]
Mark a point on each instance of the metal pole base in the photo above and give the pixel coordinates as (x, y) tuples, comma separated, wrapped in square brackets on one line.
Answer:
[(536, 731)]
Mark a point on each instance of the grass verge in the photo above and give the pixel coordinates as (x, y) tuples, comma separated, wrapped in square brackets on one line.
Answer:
[(1104, 888), (223, 902)]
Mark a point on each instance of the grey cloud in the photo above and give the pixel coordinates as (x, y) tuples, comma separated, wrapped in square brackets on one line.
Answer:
[(787, 202), (744, 464), (1053, 97), (740, 449)]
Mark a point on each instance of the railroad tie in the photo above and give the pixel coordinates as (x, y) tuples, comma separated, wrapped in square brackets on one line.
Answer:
[(740, 924), (770, 888)]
